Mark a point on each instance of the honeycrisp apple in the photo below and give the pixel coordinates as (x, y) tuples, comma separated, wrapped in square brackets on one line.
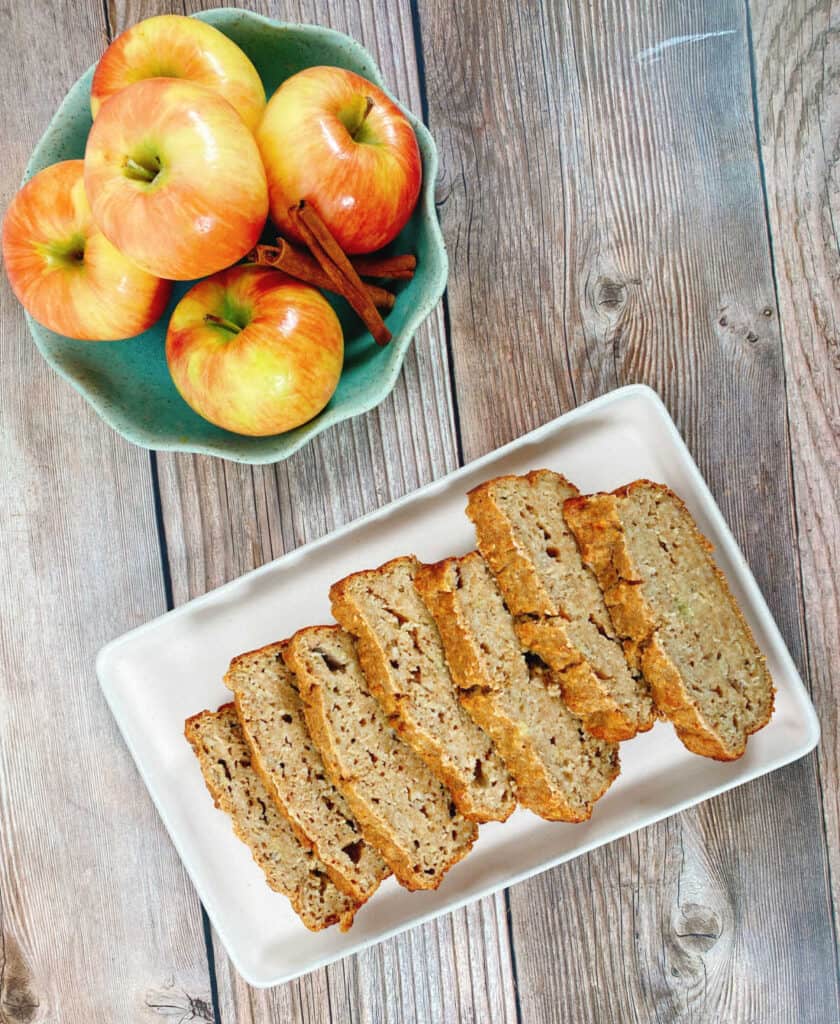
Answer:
[(65, 272), (175, 179), (173, 46), (331, 137), (255, 351)]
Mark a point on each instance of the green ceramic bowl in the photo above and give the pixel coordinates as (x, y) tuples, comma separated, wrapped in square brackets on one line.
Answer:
[(128, 383)]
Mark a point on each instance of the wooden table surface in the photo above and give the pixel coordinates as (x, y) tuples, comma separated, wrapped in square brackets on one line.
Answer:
[(629, 192)]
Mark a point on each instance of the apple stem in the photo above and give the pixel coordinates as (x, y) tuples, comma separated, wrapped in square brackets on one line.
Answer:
[(356, 115), (138, 171), (219, 321)]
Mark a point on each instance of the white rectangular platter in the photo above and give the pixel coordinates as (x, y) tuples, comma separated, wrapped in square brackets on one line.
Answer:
[(156, 676)]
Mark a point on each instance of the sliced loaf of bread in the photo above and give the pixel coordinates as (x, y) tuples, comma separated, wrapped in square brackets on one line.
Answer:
[(401, 806), (286, 759), (402, 656), (674, 609), (560, 770), (289, 868), (559, 609)]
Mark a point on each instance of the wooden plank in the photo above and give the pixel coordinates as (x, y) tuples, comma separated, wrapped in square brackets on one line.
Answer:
[(605, 224), (97, 919), (222, 519), (797, 52)]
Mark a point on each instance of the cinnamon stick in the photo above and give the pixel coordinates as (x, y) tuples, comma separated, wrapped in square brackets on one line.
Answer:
[(303, 267), (398, 275), (395, 267), (338, 268)]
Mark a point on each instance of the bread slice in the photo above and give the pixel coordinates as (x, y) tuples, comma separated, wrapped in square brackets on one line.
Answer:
[(284, 756), (402, 656), (289, 868), (401, 807), (673, 607), (559, 769), (559, 609)]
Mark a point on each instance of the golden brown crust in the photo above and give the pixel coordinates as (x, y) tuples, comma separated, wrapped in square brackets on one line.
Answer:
[(675, 702), (597, 527), (511, 565), (593, 519), (540, 622), (534, 786), (246, 656), (374, 661), (433, 586), (673, 699), (317, 718), (582, 689)]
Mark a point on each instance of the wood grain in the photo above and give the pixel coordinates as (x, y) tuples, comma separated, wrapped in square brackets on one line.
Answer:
[(222, 519), (605, 221), (797, 54), (603, 205), (97, 919)]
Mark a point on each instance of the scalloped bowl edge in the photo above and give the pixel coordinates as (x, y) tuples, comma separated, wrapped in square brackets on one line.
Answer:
[(292, 441)]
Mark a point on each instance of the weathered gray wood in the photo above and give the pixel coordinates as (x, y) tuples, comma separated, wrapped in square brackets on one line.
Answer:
[(97, 919), (797, 53), (221, 519), (604, 214), (605, 223)]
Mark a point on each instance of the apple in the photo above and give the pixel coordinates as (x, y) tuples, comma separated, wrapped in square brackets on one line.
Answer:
[(255, 351), (65, 272), (331, 137), (173, 46), (174, 178)]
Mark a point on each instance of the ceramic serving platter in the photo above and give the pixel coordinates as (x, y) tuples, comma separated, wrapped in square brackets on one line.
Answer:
[(159, 674)]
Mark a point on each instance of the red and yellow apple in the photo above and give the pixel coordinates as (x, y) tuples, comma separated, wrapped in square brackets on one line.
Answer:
[(65, 272), (331, 137), (255, 351), (173, 46), (174, 178)]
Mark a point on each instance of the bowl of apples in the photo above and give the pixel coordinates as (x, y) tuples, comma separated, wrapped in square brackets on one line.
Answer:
[(226, 238)]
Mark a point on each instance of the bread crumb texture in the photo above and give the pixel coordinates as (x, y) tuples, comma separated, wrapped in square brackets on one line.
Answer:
[(560, 770), (402, 655), (289, 763), (676, 614), (559, 609), (402, 808), (289, 868)]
